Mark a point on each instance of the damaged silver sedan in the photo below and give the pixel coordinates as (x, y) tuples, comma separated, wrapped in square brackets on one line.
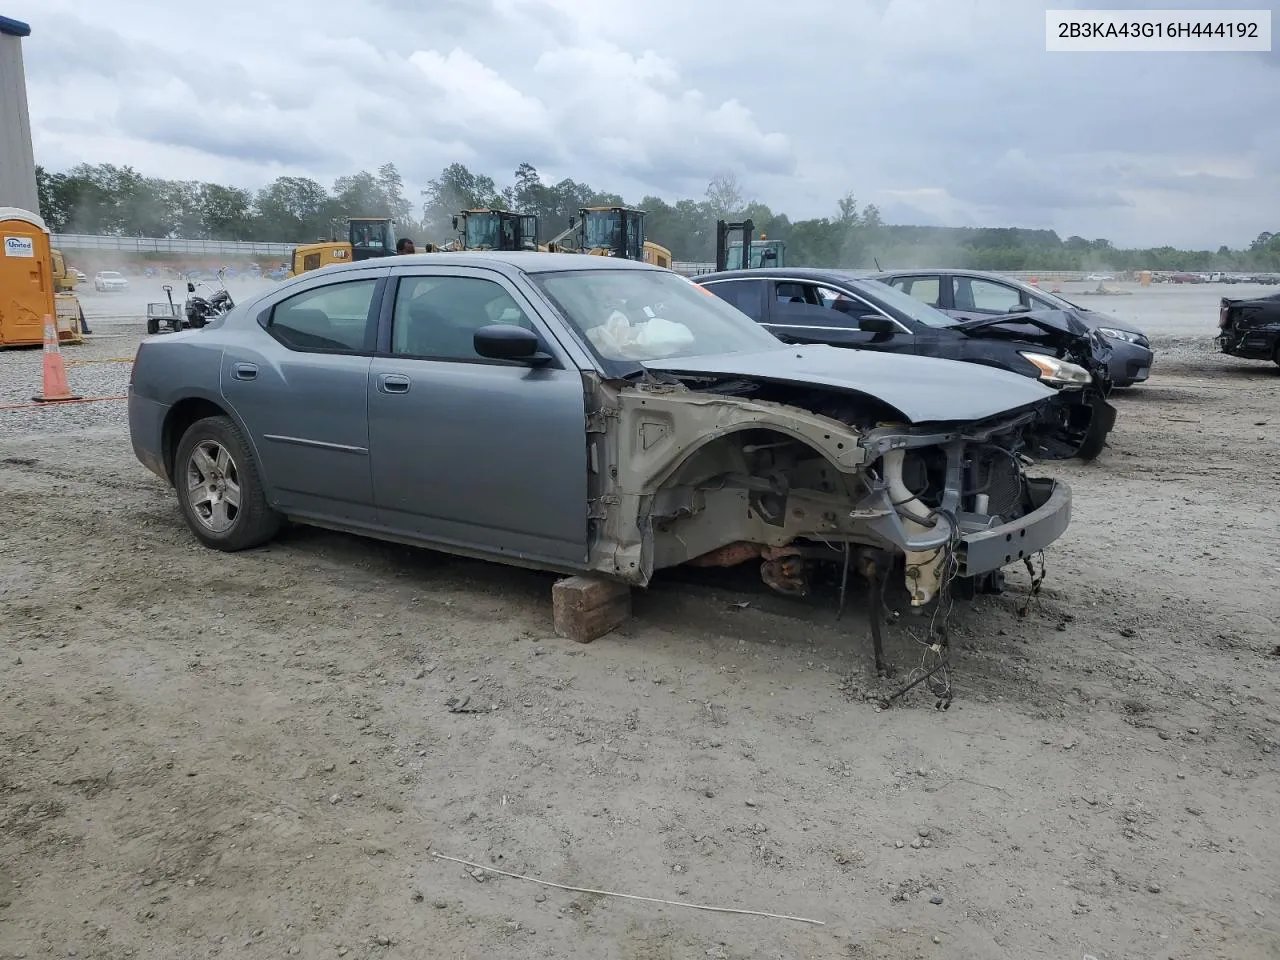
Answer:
[(587, 415)]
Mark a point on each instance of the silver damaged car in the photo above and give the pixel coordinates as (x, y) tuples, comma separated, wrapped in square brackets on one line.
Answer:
[(586, 414)]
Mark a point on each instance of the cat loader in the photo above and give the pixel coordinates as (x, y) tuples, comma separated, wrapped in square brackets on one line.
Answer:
[(485, 229), (367, 237), (610, 232)]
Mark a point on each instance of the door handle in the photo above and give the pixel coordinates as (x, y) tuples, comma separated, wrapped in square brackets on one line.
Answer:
[(244, 371), (393, 383)]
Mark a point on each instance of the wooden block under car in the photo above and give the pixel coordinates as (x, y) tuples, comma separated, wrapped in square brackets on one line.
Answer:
[(584, 608)]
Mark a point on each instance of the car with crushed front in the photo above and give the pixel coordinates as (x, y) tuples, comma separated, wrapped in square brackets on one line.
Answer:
[(586, 414), (1249, 327), (827, 305), (979, 295)]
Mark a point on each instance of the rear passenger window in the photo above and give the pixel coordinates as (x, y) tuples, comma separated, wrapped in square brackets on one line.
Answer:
[(437, 317), (746, 295), (924, 289), (331, 319)]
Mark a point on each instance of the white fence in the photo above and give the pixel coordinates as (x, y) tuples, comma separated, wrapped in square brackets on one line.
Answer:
[(84, 241), (690, 268)]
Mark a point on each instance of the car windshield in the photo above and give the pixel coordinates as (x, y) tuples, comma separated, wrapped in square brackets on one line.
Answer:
[(894, 298), (628, 316)]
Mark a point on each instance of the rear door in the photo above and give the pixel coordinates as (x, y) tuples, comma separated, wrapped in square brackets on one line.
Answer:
[(301, 392), (467, 451)]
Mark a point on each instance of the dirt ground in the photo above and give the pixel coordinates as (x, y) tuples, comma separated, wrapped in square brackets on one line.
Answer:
[(255, 755)]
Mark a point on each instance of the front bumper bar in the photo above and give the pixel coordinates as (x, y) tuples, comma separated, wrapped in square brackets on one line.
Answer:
[(996, 547)]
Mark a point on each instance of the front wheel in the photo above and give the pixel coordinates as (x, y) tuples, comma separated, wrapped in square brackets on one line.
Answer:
[(153, 326), (219, 488), (1094, 443), (1095, 439)]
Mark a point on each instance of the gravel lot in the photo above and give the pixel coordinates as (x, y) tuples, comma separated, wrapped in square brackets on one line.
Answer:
[(205, 755)]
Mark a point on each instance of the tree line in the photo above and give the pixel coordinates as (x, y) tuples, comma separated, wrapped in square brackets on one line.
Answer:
[(107, 199)]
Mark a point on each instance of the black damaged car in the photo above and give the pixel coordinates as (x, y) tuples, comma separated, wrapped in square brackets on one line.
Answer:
[(837, 307), (1249, 327)]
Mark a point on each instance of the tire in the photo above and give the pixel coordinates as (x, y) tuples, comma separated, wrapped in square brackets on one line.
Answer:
[(212, 452), (1275, 357), (153, 326), (1095, 441)]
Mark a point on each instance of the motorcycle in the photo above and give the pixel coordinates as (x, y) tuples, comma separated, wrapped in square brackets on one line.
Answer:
[(198, 310)]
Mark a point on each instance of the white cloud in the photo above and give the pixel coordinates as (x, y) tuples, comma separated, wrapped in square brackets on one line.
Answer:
[(949, 112)]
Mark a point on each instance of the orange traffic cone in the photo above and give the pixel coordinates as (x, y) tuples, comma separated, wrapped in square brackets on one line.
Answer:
[(55, 373)]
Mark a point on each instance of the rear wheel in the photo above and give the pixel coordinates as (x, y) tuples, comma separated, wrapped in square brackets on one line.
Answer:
[(1275, 357), (219, 488)]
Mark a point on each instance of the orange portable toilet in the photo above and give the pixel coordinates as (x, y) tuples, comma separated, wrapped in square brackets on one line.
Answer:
[(26, 277), (1144, 278)]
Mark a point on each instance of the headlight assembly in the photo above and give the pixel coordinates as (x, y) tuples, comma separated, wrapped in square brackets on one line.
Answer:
[(1059, 373), (1128, 337)]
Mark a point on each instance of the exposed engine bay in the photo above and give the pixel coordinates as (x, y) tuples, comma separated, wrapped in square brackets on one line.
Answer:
[(719, 472)]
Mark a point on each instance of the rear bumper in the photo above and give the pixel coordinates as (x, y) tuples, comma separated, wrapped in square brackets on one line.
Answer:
[(146, 433), (1249, 345), (999, 546)]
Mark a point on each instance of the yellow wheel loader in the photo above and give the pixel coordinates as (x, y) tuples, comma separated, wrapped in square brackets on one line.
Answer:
[(485, 229), (64, 279), (610, 232), (367, 237)]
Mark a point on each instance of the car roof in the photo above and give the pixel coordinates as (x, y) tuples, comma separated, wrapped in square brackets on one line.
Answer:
[(945, 271), (785, 273), (514, 261)]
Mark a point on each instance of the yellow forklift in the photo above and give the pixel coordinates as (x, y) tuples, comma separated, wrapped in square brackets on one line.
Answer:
[(610, 232), (745, 252)]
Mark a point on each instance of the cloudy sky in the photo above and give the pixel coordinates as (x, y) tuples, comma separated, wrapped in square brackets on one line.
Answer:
[(938, 111)]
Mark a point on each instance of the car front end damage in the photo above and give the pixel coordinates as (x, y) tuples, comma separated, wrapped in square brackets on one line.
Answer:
[(794, 481), (1250, 328), (1075, 361)]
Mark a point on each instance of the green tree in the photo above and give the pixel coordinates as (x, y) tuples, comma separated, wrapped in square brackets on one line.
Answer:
[(293, 210)]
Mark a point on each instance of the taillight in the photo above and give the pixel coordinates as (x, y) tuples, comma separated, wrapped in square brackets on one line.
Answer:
[(1223, 313)]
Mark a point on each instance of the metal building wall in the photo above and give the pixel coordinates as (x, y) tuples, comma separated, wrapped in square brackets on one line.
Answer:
[(17, 163)]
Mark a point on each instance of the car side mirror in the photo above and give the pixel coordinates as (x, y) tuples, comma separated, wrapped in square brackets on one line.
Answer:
[(1020, 308), (506, 341), (875, 323), (191, 287)]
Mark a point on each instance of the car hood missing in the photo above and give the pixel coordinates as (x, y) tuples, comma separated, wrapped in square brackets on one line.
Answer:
[(922, 389)]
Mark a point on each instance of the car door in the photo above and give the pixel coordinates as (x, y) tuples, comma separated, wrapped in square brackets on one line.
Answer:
[(301, 392), (805, 311), (483, 454)]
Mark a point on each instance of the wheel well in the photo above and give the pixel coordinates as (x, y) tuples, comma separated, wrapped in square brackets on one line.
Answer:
[(180, 418)]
